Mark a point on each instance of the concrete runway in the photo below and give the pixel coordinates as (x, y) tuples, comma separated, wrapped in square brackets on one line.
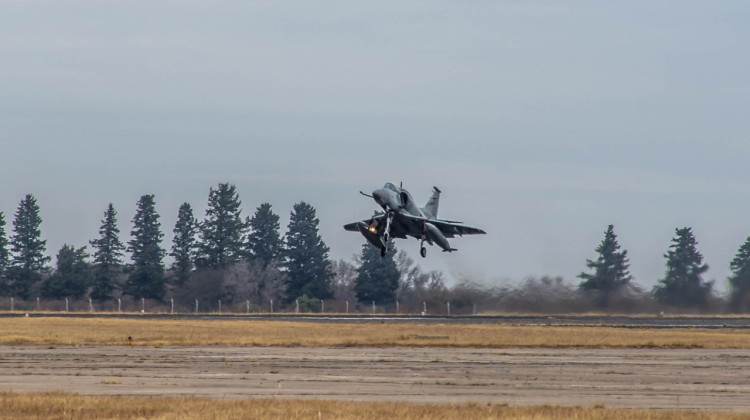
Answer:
[(656, 322), (646, 378)]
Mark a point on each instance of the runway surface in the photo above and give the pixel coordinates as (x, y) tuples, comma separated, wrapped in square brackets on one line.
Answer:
[(648, 378), (713, 322)]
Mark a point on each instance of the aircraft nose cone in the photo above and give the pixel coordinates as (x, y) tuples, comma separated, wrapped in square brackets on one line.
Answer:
[(378, 196)]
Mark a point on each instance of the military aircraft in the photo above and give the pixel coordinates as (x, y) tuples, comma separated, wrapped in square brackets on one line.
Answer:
[(401, 217)]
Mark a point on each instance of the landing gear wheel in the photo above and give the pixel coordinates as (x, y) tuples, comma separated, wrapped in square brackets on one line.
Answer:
[(387, 237), (423, 252), (382, 252)]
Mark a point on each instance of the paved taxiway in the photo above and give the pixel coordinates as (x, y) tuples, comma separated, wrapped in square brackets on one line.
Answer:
[(712, 322), (653, 378)]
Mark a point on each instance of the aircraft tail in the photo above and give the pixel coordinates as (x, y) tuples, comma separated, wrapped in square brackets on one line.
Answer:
[(431, 208)]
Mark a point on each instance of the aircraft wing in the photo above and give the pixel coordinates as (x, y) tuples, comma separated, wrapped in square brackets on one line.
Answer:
[(451, 229), (404, 225), (413, 226), (353, 227), (400, 227)]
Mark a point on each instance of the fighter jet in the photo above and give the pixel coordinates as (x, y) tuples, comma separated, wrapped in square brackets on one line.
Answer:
[(401, 217)]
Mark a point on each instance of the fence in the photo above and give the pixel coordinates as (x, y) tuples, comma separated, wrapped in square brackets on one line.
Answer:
[(199, 306)]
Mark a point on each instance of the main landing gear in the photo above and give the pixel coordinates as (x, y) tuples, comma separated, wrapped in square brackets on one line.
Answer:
[(423, 252), (386, 234)]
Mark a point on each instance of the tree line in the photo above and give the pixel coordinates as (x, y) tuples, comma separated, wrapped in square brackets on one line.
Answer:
[(224, 254), (225, 257), (683, 284), (608, 286)]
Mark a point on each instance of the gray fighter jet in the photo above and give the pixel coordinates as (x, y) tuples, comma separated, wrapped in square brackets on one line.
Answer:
[(401, 217)]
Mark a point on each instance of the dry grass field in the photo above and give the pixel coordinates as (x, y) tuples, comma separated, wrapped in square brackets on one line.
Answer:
[(149, 332), (518, 374), (68, 406)]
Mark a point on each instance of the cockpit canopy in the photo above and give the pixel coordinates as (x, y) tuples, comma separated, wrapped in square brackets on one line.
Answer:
[(389, 186)]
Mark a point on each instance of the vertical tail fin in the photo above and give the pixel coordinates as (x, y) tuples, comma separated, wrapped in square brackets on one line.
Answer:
[(431, 208)]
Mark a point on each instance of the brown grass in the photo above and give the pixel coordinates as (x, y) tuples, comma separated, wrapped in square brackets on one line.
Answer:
[(114, 331), (70, 406)]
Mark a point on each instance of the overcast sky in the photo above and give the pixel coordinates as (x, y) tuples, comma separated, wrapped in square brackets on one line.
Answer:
[(542, 122)]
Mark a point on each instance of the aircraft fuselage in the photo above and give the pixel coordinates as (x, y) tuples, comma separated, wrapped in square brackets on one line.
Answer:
[(402, 217), (391, 198)]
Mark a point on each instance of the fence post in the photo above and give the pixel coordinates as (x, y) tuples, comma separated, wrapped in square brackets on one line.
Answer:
[(296, 306), (12, 304), (397, 311), (196, 306), (322, 306), (119, 305), (373, 306), (347, 306), (424, 308), (37, 303), (171, 310), (448, 305), (143, 305), (219, 306), (248, 305), (271, 305), (67, 308), (91, 305)]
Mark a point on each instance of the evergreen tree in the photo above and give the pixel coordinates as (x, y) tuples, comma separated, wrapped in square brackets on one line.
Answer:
[(4, 252), (146, 279), (264, 244), (72, 276), (610, 269), (28, 261), (222, 231), (183, 244), (377, 277), (306, 260), (739, 280), (108, 254), (683, 284)]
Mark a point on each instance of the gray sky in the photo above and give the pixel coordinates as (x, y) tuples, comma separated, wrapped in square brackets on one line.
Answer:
[(542, 122)]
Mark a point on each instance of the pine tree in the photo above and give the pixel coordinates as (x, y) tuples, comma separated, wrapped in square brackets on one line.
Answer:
[(28, 260), (146, 279), (72, 276), (377, 277), (683, 283), (739, 280), (306, 260), (222, 231), (108, 256), (184, 244), (264, 244), (610, 269), (4, 252)]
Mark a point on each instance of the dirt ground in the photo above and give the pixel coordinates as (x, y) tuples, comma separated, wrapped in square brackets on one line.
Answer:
[(643, 378)]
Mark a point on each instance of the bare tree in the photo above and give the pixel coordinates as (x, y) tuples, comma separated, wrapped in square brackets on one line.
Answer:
[(436, 288), (271, 280), (409, 273), (253, 282), (238, 284), (344, 277), (543, 295)]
